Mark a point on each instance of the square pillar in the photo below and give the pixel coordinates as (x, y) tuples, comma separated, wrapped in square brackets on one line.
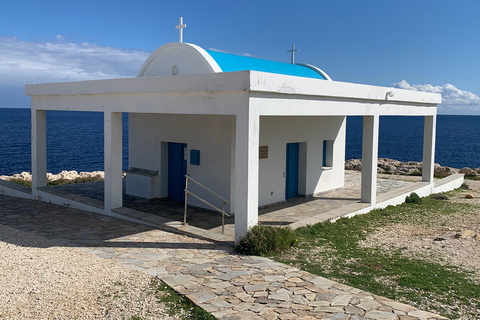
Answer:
[(39, 150), (429, 131), (246, 173), (113, 160), (369, 159)]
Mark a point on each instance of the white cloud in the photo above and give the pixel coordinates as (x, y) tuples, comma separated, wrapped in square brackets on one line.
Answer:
[(59, 37), (454, 100), (24, 62), (218, 50), (225, 51)]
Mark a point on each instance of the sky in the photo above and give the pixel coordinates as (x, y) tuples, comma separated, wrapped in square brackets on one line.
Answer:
[(423, 45)]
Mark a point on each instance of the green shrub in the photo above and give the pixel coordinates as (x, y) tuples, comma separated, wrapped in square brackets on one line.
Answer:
[(263, 240), (413, 198)]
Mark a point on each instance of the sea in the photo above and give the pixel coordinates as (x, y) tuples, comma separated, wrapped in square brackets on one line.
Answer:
[(75, 140)]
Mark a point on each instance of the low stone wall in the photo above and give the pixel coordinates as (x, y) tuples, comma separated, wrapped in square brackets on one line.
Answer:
[(386, 165)]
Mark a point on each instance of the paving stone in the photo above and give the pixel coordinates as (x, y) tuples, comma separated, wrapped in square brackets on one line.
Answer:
[(290, 315), (300, 299), (357, 317), (319, 304), (178, 279), (275, 278), (354, 310), (367, 304), (336, 316), (380, 315), (341, 300), (201, 297), (279, 296), (270, 316), (329, 309), (422, 314), (325, 297), (256, 287), (219, 303), (260, 294), (322, 282)]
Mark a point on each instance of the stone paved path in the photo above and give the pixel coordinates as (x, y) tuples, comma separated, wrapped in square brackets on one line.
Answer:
[(228, 285)]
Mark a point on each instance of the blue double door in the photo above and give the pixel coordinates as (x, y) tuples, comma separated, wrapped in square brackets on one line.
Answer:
[(291, 174), (177, 169)]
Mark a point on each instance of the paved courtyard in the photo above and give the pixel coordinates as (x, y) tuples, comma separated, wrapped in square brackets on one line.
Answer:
[(208, 223), (230, 286)]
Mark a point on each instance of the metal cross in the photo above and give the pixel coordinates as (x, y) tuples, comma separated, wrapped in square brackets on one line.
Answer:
[(293, 52), (180, 27)]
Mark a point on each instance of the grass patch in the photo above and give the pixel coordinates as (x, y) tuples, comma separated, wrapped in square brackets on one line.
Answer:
[(472, 177), (178, 304), (22, 182), (333, 250), (264, 240)]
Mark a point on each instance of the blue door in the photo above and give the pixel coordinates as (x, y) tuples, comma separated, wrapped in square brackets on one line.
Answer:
[(291, 177), (177, 169)]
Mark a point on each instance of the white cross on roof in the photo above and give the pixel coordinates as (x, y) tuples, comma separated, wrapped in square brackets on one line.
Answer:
[(180, 27), (293, 52)]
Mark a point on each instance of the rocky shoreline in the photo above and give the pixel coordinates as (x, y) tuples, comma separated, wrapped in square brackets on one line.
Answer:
[(385, 165), (396, 167), (64, 175)]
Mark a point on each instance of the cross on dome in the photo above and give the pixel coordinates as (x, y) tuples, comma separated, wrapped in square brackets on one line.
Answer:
[(293, 53), (180, 27)]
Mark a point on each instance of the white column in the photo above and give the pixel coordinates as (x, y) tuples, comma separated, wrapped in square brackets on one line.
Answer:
[(39, 150), (429, 148), (113, 159), (246, 173), (369, 159)]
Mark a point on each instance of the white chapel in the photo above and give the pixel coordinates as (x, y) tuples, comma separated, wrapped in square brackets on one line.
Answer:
[(254, 131)]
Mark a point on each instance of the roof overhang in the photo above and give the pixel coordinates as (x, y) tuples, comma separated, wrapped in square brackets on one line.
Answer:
[(246, 81)]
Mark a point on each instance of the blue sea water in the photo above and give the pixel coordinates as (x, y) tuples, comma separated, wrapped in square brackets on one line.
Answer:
[(75, 140)]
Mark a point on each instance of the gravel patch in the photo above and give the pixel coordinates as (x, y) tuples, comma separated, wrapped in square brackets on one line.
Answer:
[(40, 280), (452, 239)]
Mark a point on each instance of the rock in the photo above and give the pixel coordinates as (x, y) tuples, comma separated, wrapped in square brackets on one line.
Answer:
[(467, 233), (405, 168), (469, 196), (439, 196), (64, 175), (477, 236), (468, 171), (353, 164)]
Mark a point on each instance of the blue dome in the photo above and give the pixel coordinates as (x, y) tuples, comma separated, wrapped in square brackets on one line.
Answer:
[(178, 58), (231, 62)]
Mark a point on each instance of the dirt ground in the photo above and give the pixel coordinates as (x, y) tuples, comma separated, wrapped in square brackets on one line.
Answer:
[(453, 240)]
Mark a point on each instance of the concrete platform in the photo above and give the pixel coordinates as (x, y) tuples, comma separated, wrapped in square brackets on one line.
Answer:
[(296, 212)]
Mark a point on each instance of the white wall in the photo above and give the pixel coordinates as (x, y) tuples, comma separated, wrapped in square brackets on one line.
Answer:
[(211, 135), (276, 132)]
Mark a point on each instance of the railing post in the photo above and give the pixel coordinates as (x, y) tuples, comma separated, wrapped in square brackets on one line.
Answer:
[(186, 197), (223, 216)]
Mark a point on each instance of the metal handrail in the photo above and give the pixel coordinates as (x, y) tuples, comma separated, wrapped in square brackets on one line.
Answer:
[(224, 201)]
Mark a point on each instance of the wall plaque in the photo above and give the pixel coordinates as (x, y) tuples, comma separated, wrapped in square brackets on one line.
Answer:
[(263, 152)]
